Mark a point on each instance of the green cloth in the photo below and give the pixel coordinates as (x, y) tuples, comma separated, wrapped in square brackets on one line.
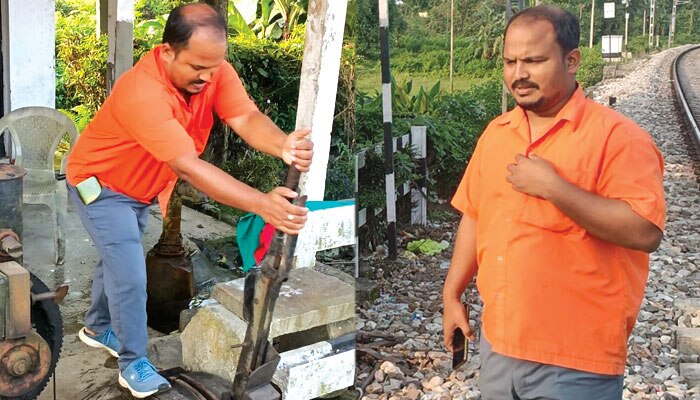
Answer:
[(249, 227)]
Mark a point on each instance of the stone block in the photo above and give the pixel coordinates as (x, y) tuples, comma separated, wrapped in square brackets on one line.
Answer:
[(308, 299), (691, 373), (325, 229), (208, 340), (317, 369), (687, 305), (321, 333), (688, 340)]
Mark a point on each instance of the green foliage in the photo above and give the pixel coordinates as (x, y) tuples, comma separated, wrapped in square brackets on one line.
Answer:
[(80, 59), (275, 19), (404, 101), (591, 70), (148, 34), (454, 122), (341, 171), (80, 115), (367, 27), (428, 247), (151, 9), (256, 169)]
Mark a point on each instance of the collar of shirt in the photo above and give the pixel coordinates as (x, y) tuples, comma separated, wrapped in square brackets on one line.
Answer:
[(572, 112)]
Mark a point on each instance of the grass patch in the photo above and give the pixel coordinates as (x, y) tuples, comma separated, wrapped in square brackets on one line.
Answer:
[(369, 81)]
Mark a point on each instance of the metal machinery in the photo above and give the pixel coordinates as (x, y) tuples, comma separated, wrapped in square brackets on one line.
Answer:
[(31, 327)]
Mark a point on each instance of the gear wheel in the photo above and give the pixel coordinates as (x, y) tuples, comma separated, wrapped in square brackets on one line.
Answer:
[(48, 323)]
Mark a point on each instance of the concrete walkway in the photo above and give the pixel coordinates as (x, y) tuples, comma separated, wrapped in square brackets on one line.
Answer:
[(84, 373)]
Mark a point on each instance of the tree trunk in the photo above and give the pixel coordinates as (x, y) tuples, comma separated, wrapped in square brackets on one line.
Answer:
[(220, 5), (216, 151)]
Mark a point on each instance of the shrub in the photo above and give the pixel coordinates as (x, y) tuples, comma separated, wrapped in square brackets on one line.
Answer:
[(80, 61), (591, 70)]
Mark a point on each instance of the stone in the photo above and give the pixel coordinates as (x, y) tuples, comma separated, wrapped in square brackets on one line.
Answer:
[(687, 305), (208, 340), (317, 369), (691, 373), (303, 302), (688, 340)]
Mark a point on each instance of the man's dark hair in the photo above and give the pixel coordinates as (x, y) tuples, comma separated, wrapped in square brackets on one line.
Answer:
[(565, 24), (185, 19)]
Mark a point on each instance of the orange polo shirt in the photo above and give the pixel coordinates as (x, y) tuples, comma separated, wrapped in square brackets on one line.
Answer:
[(146, 122), (553, 293)]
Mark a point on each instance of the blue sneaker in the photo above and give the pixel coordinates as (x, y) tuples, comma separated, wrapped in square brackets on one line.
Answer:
[(142, 379), (106, 340)]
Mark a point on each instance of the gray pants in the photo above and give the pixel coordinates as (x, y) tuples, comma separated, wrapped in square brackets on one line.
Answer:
[(116, 223), (503, 378)]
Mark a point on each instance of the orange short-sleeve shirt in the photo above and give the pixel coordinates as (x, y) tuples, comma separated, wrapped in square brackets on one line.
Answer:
[(146, 122), (553, 293)]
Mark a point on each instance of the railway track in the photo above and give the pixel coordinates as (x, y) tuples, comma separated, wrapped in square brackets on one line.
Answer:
[(686, 84)]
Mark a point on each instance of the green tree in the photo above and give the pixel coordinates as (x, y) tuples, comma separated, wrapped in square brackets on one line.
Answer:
[(367, 31)]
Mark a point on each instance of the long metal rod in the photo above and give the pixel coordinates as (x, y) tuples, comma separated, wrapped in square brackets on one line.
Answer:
[(266, 283)]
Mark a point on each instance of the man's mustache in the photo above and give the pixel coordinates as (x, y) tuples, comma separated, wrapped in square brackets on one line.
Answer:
[(524, 84), (198, 82)]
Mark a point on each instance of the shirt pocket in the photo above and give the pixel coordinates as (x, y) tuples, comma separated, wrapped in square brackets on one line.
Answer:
[(545, 215)]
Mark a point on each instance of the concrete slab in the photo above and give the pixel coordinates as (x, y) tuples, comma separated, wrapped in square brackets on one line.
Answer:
[(208, 340), (687, 305), (325, 229), (307, 300), (691, 373), (688, 340), (315, 370)]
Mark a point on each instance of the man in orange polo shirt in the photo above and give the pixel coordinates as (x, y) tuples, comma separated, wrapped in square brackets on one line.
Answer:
[(562, 201), (150, 131)]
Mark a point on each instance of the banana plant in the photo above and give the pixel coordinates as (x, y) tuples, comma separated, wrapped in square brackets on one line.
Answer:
[(274, 19)]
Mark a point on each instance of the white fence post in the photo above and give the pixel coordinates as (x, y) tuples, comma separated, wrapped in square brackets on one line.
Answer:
[(419, 193)]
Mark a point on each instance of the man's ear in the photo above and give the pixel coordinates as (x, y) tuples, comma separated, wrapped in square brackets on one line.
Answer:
[(573, 61), (167, 53)]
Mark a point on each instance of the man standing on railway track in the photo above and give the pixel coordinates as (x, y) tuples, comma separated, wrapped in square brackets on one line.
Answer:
[(562, 201), (150, 131)]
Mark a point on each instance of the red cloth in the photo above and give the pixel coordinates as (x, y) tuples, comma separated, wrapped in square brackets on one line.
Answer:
[(265, 239)]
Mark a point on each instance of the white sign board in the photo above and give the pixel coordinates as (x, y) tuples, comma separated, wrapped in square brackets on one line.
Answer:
[(608, 10), (612, 44)]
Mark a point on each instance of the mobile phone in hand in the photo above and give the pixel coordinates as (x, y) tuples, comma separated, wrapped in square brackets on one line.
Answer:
[(459, 349)]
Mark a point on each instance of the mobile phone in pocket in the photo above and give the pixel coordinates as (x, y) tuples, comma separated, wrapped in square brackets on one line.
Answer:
[(459, 349), (89, 190)]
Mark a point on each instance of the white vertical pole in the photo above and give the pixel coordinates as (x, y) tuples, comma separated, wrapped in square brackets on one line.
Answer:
[(320, 67), (590, 37), (28, 50), (390, 186), (419, 212), (652, 9), (452, 45), (120, 50)]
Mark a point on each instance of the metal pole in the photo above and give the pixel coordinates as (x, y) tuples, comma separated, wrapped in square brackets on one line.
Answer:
[(644, 24), (590, 38), (672, 27), (390, 185), (452, 43), (652, 8)]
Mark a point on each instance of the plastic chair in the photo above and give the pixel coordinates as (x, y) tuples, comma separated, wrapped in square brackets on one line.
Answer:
[(35, 133)]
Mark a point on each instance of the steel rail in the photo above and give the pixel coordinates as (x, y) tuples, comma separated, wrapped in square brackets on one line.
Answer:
[(682, 94)]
